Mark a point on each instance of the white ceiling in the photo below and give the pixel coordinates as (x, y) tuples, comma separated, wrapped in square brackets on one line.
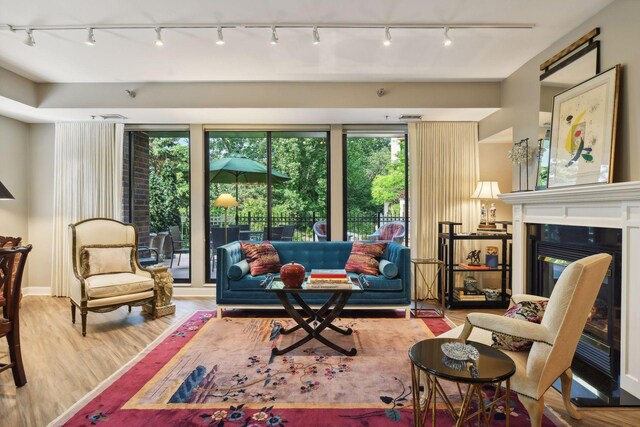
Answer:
[(343, 54)]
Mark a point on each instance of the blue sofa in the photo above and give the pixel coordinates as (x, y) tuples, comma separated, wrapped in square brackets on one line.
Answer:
[(245, 292)]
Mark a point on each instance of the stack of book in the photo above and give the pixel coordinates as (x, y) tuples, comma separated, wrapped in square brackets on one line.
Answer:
[(492, 231), (473, 266), (328, 279), (460, 294)]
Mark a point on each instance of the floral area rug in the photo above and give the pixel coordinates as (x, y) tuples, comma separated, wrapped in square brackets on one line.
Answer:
[(220, 372)]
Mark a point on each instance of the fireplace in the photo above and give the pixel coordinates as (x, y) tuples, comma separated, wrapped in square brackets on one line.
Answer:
[(551, 249)]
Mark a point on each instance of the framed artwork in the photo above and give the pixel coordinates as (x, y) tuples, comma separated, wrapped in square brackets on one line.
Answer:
[(583, 131)]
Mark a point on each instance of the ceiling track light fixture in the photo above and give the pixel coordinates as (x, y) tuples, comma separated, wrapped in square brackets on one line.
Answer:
[(159, 41), (30, 40), (274, 35), (316, 35), (220, 40), (387, 36), (91, 40), (447, 40)]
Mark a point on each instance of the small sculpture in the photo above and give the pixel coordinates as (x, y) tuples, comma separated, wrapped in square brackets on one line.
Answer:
[(483, 214), (474, 257), (164, 282)]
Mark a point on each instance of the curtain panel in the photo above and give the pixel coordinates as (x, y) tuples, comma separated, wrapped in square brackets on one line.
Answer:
[(87, 184), (444, 171)]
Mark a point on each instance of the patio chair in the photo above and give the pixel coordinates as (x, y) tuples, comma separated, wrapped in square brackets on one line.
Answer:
[(276, 232), (391, 231), (217, 237), (320, 230), (287, 232), (177, 244)]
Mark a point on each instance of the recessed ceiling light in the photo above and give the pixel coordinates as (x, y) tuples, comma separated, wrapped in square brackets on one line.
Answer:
[(220, 40), (159, 41), (447, 40), (387, 37), (91, 40), (274, 36), (316, 36), (30, 40)]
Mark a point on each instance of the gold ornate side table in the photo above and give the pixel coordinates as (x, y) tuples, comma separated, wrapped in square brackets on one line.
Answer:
[(164, 291), (434, 293)]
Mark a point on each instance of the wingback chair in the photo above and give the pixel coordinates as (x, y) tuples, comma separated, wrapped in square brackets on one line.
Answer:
[(554, 340), (107, 268)]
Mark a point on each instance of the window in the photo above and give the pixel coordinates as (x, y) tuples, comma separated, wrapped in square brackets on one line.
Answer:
[(376, 183), (156, 197), (281, 205)]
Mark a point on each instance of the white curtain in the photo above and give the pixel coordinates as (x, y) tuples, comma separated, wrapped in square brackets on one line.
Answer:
[(443, 161), (87, 183)]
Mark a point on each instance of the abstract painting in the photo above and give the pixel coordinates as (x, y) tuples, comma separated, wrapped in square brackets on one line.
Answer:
[(583, 130)]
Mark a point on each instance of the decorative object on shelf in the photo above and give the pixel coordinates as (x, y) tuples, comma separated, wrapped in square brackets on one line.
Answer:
[(583, 131), (492, 214), (292, 275), (486, 190), (164, 291), (474, 257), (225, 201), (542, 171), (491, 258), (470, 285), (520, 155), (460, 351), (492, 294)]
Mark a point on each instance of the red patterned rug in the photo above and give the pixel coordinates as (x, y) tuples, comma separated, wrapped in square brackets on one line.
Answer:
[(211, 372)]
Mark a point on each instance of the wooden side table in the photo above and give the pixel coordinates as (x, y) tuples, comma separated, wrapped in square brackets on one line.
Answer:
[(163, 291), (434, 292)]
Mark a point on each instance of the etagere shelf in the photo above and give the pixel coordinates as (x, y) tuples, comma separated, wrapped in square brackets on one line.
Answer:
[(447, 239)]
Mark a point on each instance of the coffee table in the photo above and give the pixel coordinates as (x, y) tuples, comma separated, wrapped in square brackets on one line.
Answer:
[(492, 367), (316, 320)]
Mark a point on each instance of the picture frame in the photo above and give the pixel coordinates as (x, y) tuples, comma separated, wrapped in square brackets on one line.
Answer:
[(583, 131)]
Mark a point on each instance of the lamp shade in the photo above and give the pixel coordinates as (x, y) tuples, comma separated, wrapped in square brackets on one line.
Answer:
[(4, 193), (486, 190), (225, 200)]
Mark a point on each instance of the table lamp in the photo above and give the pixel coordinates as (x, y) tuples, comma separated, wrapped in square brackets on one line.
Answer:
[(225, 201), (487, 190)]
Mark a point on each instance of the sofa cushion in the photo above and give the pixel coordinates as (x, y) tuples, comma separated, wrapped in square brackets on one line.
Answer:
[(388, 269), (262, 257), (365, 258), (238, 270), (106, 259), (531, 311), (111, 285)]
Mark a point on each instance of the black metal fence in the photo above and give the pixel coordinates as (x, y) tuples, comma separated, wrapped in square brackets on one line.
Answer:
[(359, 227)]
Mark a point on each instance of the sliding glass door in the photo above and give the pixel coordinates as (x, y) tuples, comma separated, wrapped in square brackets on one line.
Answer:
[(156, 197), (265, 185), (376, 182)]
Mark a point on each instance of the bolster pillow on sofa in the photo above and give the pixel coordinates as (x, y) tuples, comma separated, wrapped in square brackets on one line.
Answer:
[(238, 270), (388, 269)]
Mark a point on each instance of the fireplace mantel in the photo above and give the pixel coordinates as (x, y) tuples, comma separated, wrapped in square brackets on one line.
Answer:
[(599, 205)]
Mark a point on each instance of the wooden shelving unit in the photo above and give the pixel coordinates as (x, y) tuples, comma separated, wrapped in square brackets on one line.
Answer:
[(447, 238)]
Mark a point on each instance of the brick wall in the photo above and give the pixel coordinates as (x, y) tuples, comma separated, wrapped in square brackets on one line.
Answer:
[(137, 214)]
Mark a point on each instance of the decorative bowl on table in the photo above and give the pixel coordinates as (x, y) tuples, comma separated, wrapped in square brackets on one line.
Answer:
[(460, 351), (292, 275)]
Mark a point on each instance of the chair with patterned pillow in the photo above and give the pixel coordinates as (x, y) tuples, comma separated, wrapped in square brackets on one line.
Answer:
[(553, 341), (392, 231), (107, 268)]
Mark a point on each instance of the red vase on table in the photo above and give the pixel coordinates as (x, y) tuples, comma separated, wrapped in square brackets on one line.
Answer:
[(292, 275)]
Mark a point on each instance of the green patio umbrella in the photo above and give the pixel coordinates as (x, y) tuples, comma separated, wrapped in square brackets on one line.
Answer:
[(241, 170)]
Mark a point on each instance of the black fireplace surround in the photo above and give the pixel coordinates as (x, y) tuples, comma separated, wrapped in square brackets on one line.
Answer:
[(597, 359)]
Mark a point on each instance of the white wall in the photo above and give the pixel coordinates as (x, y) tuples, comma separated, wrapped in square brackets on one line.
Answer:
[(14, 174), (41, 147), (619, 34)]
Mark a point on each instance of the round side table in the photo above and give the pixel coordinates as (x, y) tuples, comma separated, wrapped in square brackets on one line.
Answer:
[(492, 367)]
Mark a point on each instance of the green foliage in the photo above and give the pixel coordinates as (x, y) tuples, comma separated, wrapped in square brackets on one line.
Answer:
[(388, 188), (168, 185)]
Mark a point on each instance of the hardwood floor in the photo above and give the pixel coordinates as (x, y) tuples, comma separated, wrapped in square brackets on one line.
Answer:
[(62, 366)]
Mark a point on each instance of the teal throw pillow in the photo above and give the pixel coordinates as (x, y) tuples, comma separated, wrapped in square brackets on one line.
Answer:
[(388, 269), (238, 270)]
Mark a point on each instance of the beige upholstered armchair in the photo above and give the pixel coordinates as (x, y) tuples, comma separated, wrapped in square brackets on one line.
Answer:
[(554, 340), (107, 269)]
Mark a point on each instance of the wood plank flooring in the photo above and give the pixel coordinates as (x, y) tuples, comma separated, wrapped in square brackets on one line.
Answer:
[(62, 366)]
